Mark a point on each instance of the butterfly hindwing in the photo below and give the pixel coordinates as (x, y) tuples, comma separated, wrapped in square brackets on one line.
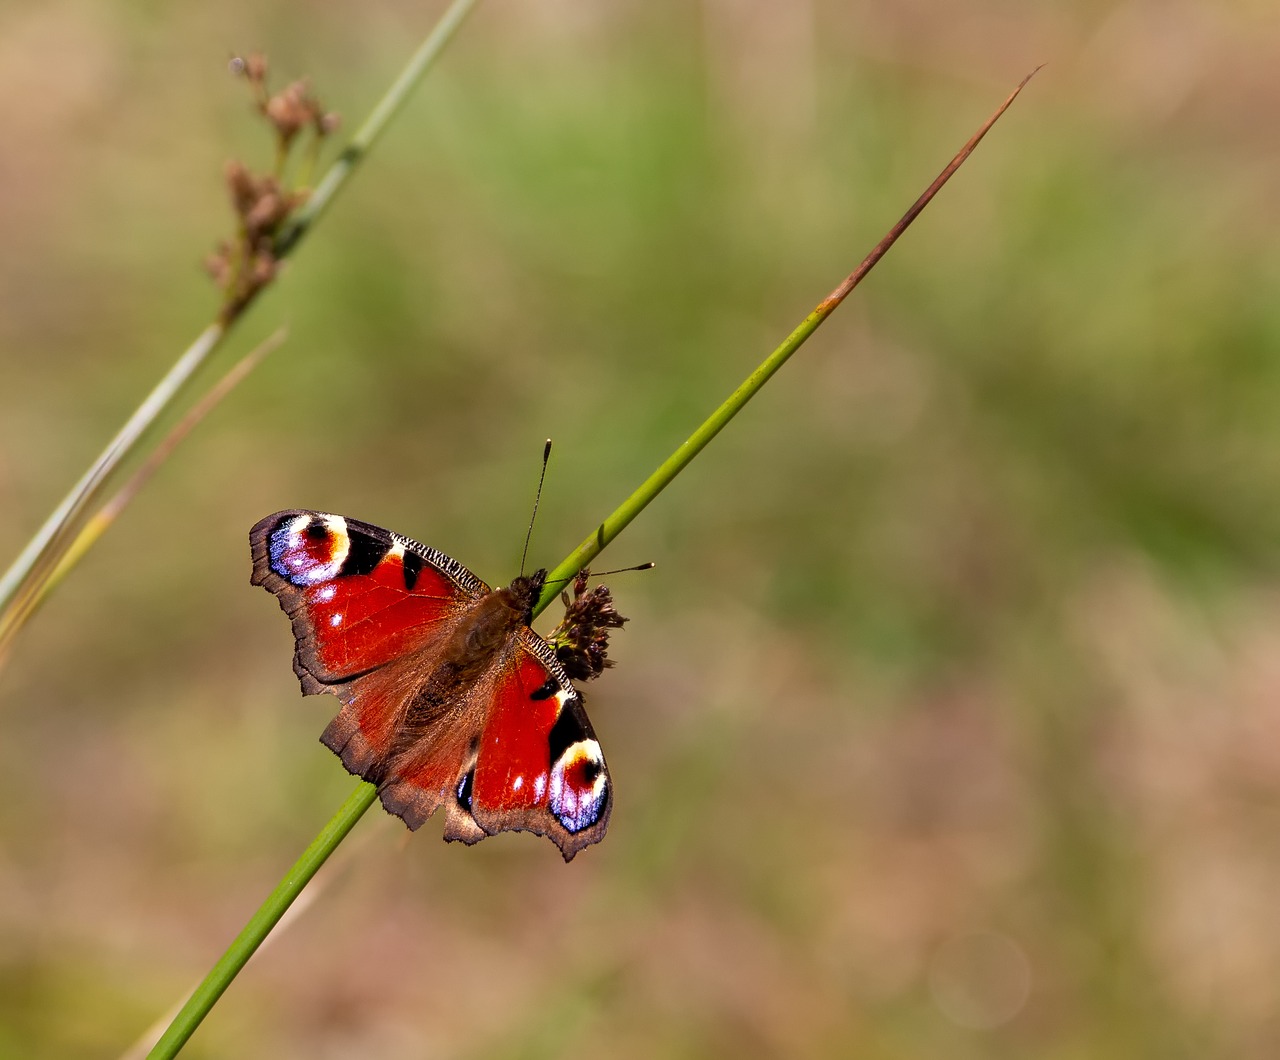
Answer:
[(519, 755), (540, 767)]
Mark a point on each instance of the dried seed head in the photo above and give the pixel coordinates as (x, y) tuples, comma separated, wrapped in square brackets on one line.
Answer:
[(264, 269), (262, 206), (241, 186), (266, 214), (581, 640), (292, 109), (218, 264), (255, 67)]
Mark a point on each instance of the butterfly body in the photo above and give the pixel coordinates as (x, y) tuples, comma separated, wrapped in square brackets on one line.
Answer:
[(450, 699)]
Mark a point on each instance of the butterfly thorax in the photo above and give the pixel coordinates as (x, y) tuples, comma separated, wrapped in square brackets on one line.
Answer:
[(523, 593), (486, 629)]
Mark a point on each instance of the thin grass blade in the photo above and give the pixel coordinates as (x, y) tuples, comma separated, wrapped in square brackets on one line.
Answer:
[(696, 442), (27, 602), (40, 555), (333, 869)]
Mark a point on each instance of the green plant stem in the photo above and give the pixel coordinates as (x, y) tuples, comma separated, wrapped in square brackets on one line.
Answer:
[(260, 924), (56, 528), (365, 137), (363, 797), (43, 551), (98, 523), (696, 442)]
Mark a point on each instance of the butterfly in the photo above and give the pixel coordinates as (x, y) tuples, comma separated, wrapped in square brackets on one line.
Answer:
[(449, 699)]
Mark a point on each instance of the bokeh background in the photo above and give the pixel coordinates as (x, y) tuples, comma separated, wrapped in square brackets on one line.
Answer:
[(949, 722)]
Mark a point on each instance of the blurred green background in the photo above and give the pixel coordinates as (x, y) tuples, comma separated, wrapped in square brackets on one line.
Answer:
[(948, 724)]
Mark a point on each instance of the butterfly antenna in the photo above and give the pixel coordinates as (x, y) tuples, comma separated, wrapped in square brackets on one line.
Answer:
[(623, 570), (605, 573), (546, 455)]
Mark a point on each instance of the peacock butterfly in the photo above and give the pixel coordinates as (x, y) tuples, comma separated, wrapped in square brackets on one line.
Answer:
[(450, 699)]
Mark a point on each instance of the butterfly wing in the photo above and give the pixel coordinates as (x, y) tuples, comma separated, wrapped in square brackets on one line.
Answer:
[(360, 598), (517, 753)]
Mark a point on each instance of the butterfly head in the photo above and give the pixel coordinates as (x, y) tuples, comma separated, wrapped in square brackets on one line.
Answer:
[(525, 590)]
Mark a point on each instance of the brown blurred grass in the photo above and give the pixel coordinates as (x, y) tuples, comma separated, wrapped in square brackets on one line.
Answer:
[(965, 630)]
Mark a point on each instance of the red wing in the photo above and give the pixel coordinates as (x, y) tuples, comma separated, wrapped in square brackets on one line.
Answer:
[(359, 596), (517, 752), (361, 599)]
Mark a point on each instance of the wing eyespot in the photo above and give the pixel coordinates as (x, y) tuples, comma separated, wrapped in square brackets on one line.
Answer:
[(309, 548), (579, 789)]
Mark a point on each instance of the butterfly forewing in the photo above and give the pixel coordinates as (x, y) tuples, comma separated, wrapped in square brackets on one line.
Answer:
[(359, 596)]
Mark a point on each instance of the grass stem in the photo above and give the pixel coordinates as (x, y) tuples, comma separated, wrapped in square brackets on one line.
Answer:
[(696, 442), (260, 924)]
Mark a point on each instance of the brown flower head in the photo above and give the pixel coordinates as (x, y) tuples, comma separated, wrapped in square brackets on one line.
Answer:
[(581, 640), (263, 204), (241, 186), (292, 109)]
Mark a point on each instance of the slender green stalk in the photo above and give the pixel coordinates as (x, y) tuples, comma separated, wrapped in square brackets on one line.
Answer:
[(261, 923), (364, 138), (101, 520), (43, 547), (363, 797), (40, 557), (696, 442)]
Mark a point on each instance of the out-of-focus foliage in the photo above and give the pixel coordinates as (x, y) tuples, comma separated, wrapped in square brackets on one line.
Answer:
[(949, 723)]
